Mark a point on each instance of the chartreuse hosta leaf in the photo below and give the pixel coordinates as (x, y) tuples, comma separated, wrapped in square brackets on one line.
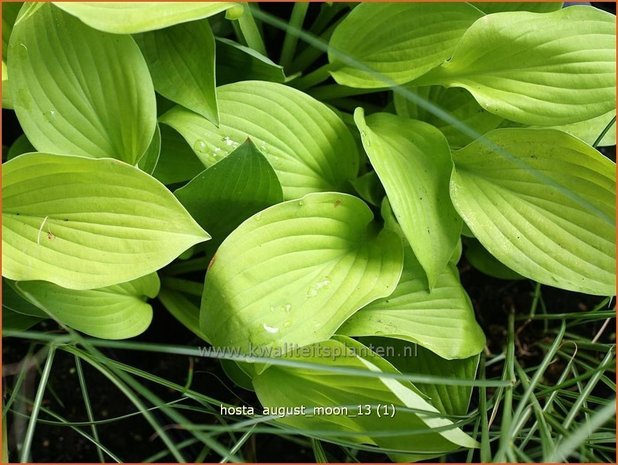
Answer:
[(459, 103), (400, 41), (229, 192), (537, 68), (421, 432), (80, 91), (307, 144), (409, 357), (85, 223), (441, 320), (132, 17), (543, 203), (413, 161), (182, 64), (114, 312), (293, 273)]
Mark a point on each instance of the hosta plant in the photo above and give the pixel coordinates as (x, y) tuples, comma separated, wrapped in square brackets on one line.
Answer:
[(300, 206)]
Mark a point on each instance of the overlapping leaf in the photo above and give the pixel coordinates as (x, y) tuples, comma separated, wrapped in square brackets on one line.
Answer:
[(292, 274), (10, 10), (85, 223), (239, 63), (543, 203), (400, 41), (133, 17), (182, 64), (149, 161), (183, 309), (413, 161), (20, 146), (441, 320), (537, 68), (472, 120), (486, 263), (114, 312), (590, 130), (408, 357), (229, 192), (13, 300), (309, 147), (177, 162), (79, 91), (17, 321), (421, 432)]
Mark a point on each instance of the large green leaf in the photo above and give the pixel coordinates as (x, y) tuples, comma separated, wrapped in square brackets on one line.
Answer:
[(543, 203), (307, 144), (235, 62), (441, 320), (413, 161), (421, 432), (182, 64), (177, 162), (449, 399), (85, 223), (114, 312), (293, 273), (459, 103), (79, 91), (400, 41), (132, 17), (229, 192), (497, 7), (537, 68)]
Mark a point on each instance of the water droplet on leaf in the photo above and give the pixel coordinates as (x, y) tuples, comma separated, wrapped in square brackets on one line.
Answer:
[(200, 146), (270, 329), (315, 289)]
